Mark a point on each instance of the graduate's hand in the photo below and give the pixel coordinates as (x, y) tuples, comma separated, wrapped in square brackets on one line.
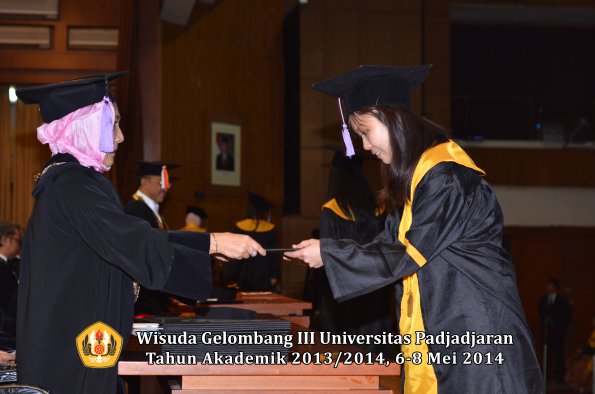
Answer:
[(308, 253), (230, 246)]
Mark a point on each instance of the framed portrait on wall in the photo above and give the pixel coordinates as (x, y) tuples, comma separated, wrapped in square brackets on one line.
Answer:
[(226, 143)]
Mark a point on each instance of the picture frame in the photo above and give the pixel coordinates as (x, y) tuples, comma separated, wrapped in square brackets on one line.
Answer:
[(226, 159)]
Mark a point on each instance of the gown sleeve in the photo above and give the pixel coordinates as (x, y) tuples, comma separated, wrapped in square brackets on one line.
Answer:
[(130, 243), (355, 269)]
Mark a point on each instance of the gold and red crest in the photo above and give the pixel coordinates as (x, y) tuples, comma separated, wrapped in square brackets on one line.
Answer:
[(99, 346)]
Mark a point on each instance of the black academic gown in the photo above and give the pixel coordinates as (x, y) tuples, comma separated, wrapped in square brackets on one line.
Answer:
[(149, 301), (255, 273), (451, 275), (9, 285), (80, 255), (367, 314), (141, 210)]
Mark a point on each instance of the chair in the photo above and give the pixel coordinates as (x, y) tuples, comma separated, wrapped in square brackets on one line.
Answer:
[(21, 389)]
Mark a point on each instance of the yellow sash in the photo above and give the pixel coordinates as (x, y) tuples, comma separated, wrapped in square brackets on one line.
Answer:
[(421, 378), (249, 225), (333, 205)]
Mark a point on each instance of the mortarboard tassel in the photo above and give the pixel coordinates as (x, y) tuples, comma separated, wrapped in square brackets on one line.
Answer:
[(346, 138), (164, 178), (106, 133)]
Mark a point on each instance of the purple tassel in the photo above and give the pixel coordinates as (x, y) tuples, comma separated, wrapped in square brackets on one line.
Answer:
[(350, 152), (106, 134), (347, 140)]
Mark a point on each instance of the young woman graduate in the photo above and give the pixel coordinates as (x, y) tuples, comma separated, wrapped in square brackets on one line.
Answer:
[(82, 253), (441, 247)]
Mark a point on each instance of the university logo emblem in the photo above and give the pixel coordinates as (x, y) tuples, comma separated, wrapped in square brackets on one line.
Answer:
[(99, 346)]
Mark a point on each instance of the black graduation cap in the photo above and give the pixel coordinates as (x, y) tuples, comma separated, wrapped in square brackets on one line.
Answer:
[(201, 213), (158, 169), (259, 202), (57, 100), (153, 167), (374, 85)]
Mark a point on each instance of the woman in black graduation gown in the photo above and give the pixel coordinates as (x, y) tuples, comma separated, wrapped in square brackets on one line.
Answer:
[(441, 246), (351, 212), (81, 252), (259, 273)]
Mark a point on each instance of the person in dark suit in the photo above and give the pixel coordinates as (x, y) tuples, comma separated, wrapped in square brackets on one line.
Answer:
[(555, 316), (225, 160), (153, 186), (10, 245)]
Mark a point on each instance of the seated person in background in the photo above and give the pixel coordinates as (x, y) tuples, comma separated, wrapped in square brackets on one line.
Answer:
[(195, 217), (10, 246), (256, 273)]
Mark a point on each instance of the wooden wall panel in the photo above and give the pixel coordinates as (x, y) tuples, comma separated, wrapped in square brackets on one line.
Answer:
[(21, 157), (563, 253), (226, 66), (537, 167), (341, 39), (37, 66), (375, 24)]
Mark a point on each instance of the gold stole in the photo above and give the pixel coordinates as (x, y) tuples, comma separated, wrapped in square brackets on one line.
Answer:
[(421, 378)]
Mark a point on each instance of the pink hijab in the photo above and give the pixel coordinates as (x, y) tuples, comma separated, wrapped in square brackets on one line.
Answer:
[(78, 133)]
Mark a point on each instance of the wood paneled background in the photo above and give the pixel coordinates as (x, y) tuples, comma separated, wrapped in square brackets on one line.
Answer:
[(226, 66)]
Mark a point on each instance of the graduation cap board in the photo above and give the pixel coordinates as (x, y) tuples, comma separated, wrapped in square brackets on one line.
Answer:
[(57, 100), (158, 169), (366, 86)]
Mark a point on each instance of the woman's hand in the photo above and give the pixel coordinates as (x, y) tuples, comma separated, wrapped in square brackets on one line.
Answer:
[(230, 246), (308, 253)]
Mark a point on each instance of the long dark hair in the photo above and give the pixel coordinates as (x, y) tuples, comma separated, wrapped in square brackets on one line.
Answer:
[(410, 135)]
